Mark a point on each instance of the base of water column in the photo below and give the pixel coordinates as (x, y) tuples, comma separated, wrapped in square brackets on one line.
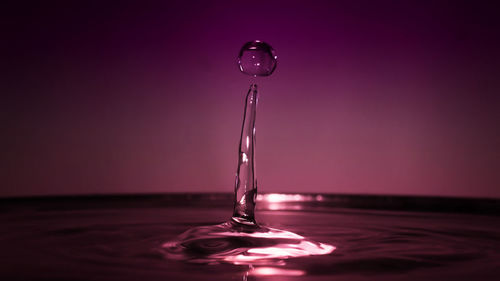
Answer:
[(236, 243)]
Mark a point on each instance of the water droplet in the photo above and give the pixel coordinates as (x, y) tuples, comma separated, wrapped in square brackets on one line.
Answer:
[(257, 58)]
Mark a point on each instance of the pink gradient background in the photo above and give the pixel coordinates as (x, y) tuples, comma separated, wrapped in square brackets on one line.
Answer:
[(370, 97)]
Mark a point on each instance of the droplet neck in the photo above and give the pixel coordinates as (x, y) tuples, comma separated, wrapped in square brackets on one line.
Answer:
[(245, 189)]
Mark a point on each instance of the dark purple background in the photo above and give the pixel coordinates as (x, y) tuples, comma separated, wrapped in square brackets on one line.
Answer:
[(370, 97)]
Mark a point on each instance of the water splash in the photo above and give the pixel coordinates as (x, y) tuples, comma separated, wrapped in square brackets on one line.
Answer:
[(239, 244), (242, 241)]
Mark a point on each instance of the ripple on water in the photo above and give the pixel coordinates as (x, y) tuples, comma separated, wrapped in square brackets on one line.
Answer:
[(130, 242)]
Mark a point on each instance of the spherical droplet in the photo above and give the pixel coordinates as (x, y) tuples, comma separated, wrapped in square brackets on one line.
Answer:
[(257, 58)]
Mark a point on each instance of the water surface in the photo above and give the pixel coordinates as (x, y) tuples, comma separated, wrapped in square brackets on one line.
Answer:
[(112, 238)]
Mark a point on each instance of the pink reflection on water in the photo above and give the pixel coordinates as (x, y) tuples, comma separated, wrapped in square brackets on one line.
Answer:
[(273, 271), (258, 255), (277, 197), (279, 251), (304, 248), (279, 201), (282, 198), (283, 206)]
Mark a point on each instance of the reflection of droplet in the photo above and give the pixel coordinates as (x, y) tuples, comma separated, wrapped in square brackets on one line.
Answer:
[(257, 58)]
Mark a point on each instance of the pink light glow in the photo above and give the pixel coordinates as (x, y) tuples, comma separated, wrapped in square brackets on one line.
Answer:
[(280, 206), (280, 251), (275, 201), (268, 271), (277, 198), (293, 250)]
